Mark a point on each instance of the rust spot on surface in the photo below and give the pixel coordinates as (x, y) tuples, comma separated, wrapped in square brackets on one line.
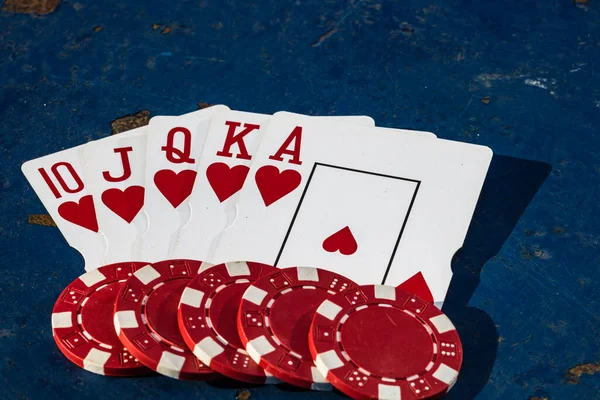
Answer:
[(30, 6), (97, 28), (525, 253), (166, 30), (40, 219), (155, 26), (202, 105), (485, 100), (129, 122), (243, 394), (577, 371), (406, 28)]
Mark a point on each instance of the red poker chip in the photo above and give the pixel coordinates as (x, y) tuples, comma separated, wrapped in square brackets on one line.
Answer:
[(82, 322), (145, 318), (207, 317), (274, 320), (381, 342)]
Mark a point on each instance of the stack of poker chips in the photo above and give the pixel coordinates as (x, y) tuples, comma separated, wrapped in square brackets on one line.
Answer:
[(256, 323)]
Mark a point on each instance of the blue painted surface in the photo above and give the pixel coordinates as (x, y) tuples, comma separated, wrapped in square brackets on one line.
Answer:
[(525, 295)]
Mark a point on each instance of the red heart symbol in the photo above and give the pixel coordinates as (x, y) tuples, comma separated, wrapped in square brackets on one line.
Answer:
[(125, 203), (273, 185), (224, 180), (176, 187), (416, 284), (342, 241), (80, 213)]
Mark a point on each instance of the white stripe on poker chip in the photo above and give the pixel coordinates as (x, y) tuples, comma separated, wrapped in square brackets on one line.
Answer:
[(389, 392), (442, 323), (385, 292), (259, 347), (191, 297), (95, 360), (307, 274), (92, 277), (329, 310), (207, 349), (328, 361), (204, 266), (125, 319), (446, 374), (170, 364), (254, 295), (146, 274), (237, 268), (319, 382), (62, 320)]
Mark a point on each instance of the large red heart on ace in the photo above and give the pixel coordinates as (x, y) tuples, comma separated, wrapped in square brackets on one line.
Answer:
[(82, 213), (342, 241), (125, 203), (273, 185), (175, 186), (225, 180)]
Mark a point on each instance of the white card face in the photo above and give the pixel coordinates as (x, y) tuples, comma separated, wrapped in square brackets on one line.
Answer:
[(316, 187), (59, 180), (115, 169), (341, 208), (173, 152), (227, 154)]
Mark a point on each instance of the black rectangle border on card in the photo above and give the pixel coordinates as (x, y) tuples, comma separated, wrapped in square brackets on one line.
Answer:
[(312, 172)]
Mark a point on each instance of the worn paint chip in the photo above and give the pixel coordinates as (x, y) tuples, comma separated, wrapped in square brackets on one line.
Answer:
[(577, 371), (30, 6), (202, 105), (40, 219), (243, 394), (129, 122)]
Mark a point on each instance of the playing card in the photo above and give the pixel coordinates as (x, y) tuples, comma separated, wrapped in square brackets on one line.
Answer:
[(173, 151), (376, 205), (233, 138), (59, 181), (115, 168)]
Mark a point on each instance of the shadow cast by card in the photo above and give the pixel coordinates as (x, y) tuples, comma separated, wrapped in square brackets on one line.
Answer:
[(510, 186)]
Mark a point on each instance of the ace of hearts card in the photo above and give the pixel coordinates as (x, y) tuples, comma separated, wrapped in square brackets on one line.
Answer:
[(373, 204)]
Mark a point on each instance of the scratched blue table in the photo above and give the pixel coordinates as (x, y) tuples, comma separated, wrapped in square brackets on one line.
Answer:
[(519, 76)]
